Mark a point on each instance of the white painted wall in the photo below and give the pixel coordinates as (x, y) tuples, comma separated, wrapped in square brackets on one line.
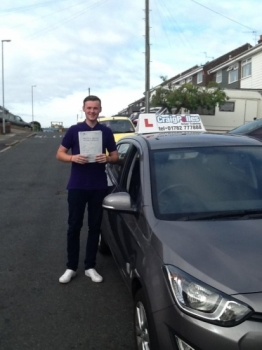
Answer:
[(255, 81)]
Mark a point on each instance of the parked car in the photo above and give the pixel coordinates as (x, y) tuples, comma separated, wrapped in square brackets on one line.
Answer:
[(121, 126), (134, 118), (183, 223), (253, 129), (17, 121)]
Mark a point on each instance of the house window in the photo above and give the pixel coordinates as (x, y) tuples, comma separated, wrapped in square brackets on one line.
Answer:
[(189, 80), (182, 82), (232, 74), (246, 68), (227, 107), (219, 76), (202, 111), (199, 77)]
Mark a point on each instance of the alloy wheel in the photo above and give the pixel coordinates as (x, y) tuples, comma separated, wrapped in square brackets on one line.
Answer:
[(141, 327)]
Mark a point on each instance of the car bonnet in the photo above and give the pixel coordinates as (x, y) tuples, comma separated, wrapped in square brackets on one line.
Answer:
[(224, 254)]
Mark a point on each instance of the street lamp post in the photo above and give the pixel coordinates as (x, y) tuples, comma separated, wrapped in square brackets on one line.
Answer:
[(3, 85), (32, 93), (81, 111)]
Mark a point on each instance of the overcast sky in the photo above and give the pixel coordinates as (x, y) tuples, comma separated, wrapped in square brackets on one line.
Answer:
[(66, 47)]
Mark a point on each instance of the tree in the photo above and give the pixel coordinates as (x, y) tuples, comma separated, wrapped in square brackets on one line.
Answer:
[(188, 96)]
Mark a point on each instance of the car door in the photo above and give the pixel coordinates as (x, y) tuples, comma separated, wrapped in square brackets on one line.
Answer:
[(131, 232), (110, 221)]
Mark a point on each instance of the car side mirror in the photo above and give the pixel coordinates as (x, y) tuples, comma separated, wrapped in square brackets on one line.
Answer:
[(120, 201)]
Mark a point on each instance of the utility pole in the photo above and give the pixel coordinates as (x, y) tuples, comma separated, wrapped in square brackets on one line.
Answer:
[(32, 95), (147, 60), (88, 91), (3, 86)]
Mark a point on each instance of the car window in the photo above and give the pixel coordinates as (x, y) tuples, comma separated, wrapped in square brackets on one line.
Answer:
[(256, 132), (119, 126), (206, 180), (244, 129), (133, 183), (117, 168)]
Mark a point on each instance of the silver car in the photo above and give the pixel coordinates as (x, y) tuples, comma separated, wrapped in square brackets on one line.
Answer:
[(183, 222)]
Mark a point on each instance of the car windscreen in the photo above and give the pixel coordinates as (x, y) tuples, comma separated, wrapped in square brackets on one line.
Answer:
[(246, 128), (201, 183), (119, 126)]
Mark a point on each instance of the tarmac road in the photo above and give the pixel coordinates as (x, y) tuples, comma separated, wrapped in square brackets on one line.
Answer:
[(17, 135), (37, 312)]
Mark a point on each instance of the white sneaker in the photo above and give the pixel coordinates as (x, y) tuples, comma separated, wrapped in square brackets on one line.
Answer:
[(95, 277), (67, 276)]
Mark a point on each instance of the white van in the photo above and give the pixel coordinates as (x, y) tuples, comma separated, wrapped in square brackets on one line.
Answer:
[(242, 107)]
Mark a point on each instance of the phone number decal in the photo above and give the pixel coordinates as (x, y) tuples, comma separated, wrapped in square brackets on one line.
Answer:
[(180, 127)]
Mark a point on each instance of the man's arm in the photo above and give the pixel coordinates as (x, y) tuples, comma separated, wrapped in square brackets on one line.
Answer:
[(113, 157), (62, 154), (64, 157)]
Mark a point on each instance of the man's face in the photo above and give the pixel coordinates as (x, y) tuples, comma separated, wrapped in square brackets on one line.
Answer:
[(92, 110)]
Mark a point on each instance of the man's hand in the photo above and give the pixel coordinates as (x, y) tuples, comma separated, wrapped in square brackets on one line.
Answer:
[(77, 158), (101, 158)]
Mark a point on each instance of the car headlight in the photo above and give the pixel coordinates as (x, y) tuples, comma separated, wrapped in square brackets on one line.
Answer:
[(204, 302)]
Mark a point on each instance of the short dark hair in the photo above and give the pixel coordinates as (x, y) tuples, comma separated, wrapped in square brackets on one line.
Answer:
[(91, 98)]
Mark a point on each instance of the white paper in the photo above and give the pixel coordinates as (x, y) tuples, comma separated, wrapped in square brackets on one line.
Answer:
[(90, 143)]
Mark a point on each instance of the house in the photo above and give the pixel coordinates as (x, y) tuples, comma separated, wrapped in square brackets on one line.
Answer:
[(243, 71), (238, 68)]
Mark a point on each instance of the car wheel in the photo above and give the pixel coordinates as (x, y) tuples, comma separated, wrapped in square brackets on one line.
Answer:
[(103, 247), (143, 323)]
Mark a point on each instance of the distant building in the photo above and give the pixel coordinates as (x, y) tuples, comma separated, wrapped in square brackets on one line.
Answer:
[(57, 125), (239, 68)]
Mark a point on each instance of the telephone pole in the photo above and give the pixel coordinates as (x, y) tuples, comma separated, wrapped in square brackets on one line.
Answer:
[(147, 60)]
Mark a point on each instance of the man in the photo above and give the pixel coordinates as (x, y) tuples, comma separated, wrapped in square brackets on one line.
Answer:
[(87, 186)]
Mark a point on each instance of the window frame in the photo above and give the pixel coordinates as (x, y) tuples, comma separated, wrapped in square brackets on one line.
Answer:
[(233, 69), (219, 76), (116, 174), (200, 77), (227, 110), (244, 64)]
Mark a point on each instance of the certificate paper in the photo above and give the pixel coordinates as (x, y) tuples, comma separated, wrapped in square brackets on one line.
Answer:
[(90, 143)]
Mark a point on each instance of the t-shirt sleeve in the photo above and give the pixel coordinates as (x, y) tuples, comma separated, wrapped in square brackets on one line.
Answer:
[(111, 144), (67, 141)]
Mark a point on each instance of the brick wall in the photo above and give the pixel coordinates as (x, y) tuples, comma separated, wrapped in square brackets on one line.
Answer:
[(7, 128)]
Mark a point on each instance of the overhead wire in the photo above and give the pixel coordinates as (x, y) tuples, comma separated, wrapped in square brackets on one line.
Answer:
[(65, 20), (49, 14), (180, 31), (5, 12), (220, 14)]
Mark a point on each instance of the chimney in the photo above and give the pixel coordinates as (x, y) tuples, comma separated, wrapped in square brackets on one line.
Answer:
[(260, 40)]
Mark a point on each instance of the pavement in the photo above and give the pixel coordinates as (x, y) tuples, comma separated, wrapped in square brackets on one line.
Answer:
[(17, 135)]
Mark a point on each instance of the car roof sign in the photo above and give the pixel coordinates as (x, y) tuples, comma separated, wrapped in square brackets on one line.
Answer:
[(169, 123)]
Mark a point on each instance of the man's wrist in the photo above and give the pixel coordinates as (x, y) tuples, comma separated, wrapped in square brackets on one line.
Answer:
[(108, 159)]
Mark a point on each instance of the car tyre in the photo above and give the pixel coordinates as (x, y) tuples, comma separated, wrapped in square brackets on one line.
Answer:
[(103, 247), (143, 323)]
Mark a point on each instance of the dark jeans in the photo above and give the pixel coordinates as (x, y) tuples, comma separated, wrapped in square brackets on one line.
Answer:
[(77, 201)]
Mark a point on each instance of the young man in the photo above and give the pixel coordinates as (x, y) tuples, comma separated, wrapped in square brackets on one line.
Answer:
[(87, 185)]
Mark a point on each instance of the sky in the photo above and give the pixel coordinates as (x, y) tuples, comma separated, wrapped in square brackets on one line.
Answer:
[(62, 50)]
